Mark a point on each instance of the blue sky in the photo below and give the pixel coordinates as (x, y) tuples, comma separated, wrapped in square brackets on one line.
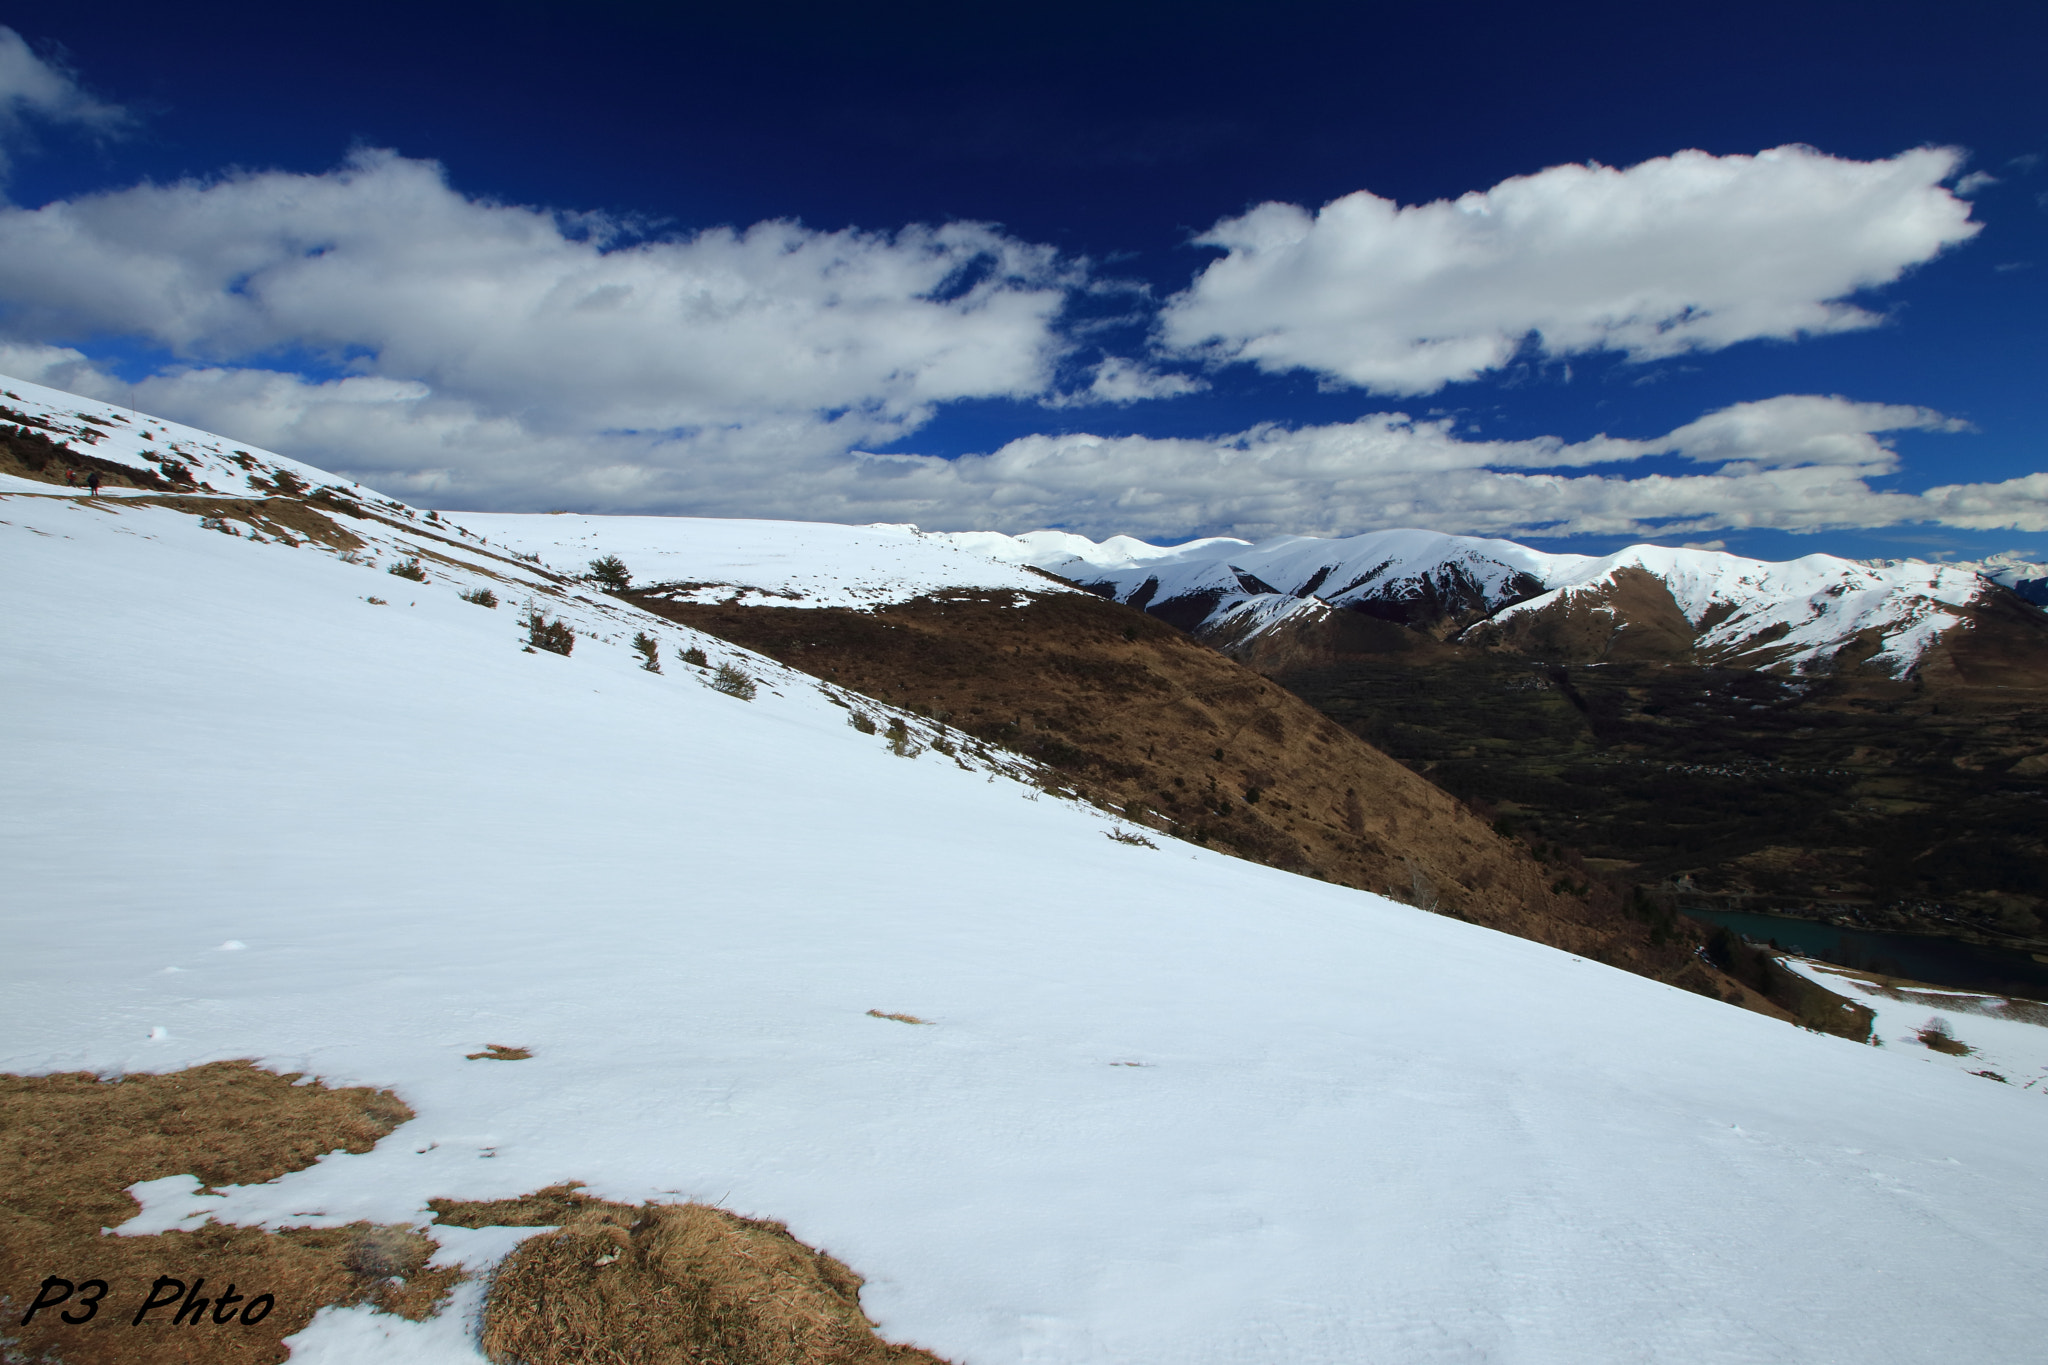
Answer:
[(1010, 269)]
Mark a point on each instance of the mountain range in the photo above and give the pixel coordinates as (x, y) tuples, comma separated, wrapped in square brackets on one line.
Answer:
[(1645, 603), (1862, 743)]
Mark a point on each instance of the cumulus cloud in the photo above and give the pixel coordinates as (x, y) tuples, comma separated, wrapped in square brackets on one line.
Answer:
[(32, 89), (1803, 429), (1121, 381), (468, 353), (1689, 252), (564, 323)]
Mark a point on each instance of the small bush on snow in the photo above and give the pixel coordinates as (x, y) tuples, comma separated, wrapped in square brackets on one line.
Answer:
[(483, 597), (409, 568), (733, 683), (693, 656), (553, 636), (650, 651)]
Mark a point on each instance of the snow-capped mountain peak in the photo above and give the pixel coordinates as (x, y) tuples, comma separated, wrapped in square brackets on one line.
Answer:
[(1794, 615)]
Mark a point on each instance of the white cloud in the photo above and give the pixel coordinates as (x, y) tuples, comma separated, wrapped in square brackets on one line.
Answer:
[(1682, 253), (31, 88), (1974, 181), (492, 356), (384, 269), (1121, 381), (1804, 429)]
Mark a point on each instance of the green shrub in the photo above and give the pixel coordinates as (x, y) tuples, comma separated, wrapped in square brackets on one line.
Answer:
[(733, 683), (650, 651), (900, 742), (483, 597), (861, 721), (610, 574), (409, 568), (693, 656)]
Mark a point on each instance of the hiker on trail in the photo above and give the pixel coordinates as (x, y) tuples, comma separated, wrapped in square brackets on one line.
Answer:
[(71, 477), (92, 483)]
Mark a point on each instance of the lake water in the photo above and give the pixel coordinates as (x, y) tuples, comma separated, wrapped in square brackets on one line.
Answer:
[(1937, 961)]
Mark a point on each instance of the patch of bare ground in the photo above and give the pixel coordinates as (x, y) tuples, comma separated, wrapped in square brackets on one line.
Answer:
[(1160, 728), (71, 1144), (655, 1285), (667, 1284)]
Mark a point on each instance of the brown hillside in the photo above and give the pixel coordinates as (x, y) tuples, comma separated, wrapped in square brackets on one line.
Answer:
[(1633, 619), (1145, 720)]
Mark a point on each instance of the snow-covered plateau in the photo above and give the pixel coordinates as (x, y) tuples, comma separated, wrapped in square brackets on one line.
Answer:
[(267, 800)]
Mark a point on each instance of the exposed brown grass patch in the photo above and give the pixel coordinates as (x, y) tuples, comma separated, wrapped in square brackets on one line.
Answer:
[(498, 1052), (547, 1208), (288, 519), (70, 1145), (673, 1284), (899, 1018)]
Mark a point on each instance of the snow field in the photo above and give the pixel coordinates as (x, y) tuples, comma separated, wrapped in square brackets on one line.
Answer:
[(784, 563), (2015, 1048), (1354, 1132)]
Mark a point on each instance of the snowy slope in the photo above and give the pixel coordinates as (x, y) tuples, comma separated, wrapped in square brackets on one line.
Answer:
[(1066, 553), (773, 563), (1790, 615), (2008, 1038), (2013, 569), (1173, 1107), (1798, 612), (199, 459)]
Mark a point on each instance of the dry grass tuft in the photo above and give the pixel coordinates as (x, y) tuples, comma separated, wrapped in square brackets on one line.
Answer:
[(899, 1018), (675, 1284), (547, 1208), (71, 1144), (498, 1052)]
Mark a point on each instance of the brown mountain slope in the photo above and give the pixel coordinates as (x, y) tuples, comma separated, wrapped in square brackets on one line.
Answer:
[(1143, 719)]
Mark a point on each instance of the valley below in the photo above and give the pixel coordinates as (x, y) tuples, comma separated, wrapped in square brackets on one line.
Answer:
[(1883, 807)]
